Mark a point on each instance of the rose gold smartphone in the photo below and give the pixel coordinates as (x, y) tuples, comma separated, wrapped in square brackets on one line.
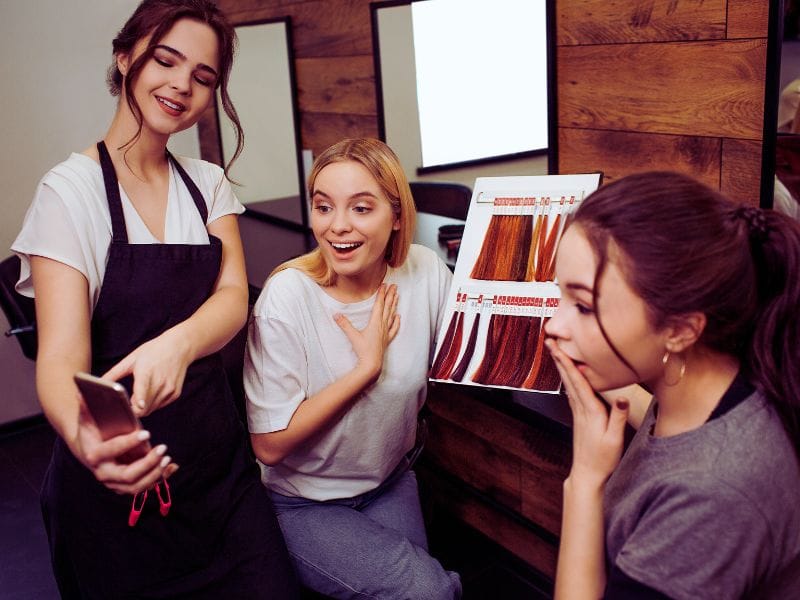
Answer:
[(110, 407)]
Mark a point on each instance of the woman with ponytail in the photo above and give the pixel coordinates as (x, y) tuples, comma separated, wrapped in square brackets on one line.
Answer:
[(667, 284)]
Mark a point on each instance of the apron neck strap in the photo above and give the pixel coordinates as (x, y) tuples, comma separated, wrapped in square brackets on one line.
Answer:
[(197, 196), (118, 229)]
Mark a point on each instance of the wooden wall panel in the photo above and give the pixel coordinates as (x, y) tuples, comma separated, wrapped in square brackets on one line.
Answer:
[(616, 21), (619, 153), (518, 464), (320, 130), (541, 554), (486, 467), (541, 497), (748, 18), (547, 452), (333, 28), (686, 68), (208, 135), (321, 27), (343, 85), (741, 170), (705, 88)]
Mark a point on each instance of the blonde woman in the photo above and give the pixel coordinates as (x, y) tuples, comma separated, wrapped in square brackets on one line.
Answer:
[(335, 375)]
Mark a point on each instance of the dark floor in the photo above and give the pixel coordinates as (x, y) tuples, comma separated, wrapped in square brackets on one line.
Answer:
[(24, 559), (487, 571)]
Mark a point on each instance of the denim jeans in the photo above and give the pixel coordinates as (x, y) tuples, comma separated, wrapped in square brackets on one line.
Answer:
[(369, 546)]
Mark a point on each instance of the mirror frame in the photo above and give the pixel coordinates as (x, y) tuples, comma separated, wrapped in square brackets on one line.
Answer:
[(552, 106), (303, 226), (771, 97)]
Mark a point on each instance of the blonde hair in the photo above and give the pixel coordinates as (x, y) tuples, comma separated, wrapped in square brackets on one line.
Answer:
[(384, 166)]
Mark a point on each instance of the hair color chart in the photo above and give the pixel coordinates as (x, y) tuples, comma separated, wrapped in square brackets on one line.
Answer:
[(504, 288)]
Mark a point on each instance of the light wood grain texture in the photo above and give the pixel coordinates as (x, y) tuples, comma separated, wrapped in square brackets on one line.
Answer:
[(748, 18), (615, 21), (741, 170), (696, 88), (320, 27), (617, 154), (320, 130), (337, 85)]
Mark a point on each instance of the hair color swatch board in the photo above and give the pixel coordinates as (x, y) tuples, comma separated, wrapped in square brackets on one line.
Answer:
[(504, 288)]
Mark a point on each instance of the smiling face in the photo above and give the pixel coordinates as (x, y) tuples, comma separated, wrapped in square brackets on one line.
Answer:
[(623, 314), (352, 222), (177, 83)]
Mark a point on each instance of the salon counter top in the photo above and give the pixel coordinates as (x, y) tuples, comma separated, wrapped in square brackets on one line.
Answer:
[(427, 234)]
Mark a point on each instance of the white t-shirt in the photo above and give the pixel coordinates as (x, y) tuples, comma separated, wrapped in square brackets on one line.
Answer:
[(784, 202), (69, 221), (295, 349)]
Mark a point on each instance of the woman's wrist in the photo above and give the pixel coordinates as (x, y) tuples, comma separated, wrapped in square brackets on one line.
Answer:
[(584, 485), (368, 370)]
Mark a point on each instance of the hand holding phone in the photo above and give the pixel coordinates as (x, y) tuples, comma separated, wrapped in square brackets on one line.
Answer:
[(110, 407)]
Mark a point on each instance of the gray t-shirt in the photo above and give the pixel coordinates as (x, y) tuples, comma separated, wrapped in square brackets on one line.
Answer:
[(710, 513)]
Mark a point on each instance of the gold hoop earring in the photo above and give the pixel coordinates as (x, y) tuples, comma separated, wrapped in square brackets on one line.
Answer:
[(665, 360)]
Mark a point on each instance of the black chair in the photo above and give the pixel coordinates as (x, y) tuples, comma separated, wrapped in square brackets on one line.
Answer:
[(19, 310), (444, 199)]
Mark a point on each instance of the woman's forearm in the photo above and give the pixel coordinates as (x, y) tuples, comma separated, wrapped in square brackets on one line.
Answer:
[(213, 324), (314, 414), (58, 394), (224, 313), (63, 334), (581, 558)]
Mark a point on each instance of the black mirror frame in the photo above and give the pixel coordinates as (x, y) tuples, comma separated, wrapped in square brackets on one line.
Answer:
[(552, 85), (771, 96), (303, 226)]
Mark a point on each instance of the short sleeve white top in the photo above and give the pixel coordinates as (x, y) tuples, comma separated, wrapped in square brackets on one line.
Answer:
[(295, 349), (69, 221)]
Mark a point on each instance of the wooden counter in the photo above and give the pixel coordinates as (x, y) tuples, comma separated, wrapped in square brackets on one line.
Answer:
[(496, 460)]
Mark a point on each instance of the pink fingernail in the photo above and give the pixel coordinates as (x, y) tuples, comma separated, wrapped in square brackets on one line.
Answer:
[(165, 461), (143, 435)]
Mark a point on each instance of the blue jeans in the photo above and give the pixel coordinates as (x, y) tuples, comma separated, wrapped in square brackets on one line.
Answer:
[(369, 546)]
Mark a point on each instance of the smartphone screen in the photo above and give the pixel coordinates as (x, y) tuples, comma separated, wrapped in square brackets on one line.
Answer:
[(110, 407)]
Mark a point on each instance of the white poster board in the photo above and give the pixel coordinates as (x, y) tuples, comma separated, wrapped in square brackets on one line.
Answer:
[(504, 288)]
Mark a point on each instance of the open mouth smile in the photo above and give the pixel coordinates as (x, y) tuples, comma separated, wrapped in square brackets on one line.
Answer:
[(344, 247), (171, 107)]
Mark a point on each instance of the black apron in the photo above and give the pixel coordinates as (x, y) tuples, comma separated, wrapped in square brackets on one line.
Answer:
[(220, 538)]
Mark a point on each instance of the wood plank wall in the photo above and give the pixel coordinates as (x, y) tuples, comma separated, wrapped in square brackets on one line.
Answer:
[(642, 84)]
